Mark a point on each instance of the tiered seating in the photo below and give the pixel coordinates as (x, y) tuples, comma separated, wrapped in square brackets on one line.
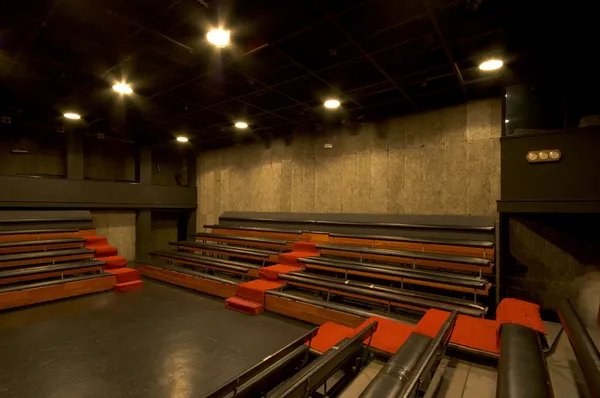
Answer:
[(249, 241), (228, 250), (270, 233), (53, 266), (381, 294), (210, 263)]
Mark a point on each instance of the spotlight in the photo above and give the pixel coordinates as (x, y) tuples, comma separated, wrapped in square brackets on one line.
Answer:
[(218, 37), (70, 115), (491, 64), (332, 103), (241, 125), (182, 139), (123, 88)]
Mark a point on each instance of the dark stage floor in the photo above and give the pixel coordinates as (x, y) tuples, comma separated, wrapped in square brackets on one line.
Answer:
[(161, 341)]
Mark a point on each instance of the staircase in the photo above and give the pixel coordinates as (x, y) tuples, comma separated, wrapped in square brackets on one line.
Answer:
[(127, 278)]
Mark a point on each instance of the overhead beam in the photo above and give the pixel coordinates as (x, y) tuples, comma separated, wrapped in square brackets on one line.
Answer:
[(445, 46)]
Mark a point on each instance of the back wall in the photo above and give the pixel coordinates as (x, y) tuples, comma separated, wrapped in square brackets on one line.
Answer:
[(445, 161)]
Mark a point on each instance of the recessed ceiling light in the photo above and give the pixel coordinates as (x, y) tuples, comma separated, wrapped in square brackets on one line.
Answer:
[(491, 64), (123, 88), (70, 115), (332, 103), (218, 37), (182, 139), (241, 125)]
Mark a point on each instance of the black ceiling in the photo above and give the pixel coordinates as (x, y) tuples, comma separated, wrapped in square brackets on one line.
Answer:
[(380, 57)]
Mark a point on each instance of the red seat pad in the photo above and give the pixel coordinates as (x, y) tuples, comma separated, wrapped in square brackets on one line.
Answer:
[(389, 336), (272, 272), (329, 334), (242, 305), (519, 312), (255, 290), (468, 331)]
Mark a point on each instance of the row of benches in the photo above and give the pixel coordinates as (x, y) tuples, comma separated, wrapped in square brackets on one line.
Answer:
[(203, 256), (46, 264)]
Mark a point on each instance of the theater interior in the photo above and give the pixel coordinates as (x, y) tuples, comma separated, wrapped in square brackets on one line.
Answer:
[(301, 198)]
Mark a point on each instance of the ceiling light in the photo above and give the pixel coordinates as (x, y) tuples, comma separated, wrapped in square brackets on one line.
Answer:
[(218, 37), (241, 125), (491, 64), (182, 139), (70, 115), (332, 104), (123, 88)]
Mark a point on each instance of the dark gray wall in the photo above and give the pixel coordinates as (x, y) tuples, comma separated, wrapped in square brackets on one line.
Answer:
[(109, 160), (46, 154)]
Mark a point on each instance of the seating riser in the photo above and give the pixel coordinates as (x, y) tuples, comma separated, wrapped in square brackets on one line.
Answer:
[(257, 234), (310, 313), (245, 243), (55, 292), (40, 248), (271, 258), (188, 281), (483, 292), (251, 271), (47, 275), (419, 247), (46, 260), (47, 236), (409, 261), (357, 296)]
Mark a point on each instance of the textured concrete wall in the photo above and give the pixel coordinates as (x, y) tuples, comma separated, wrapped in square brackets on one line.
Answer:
[(439, 162), (119, 228)]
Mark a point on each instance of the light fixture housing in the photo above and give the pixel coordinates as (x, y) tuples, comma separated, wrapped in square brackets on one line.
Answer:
[(241, 125), (491, 64), (72, 116), (123, 88), (332, 103), (218, 37), (182, 139)]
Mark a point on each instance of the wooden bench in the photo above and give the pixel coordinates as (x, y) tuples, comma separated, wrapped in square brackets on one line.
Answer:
[(471, 248), (238, 252), (274, 244), (384, 295), (25, 246), (432, 260), (60, 270), (227, 266), (403, 275), (270, 233), (54, 256)]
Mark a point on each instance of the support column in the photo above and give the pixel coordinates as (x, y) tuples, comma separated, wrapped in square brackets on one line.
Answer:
[(74, 156), (143, 235)]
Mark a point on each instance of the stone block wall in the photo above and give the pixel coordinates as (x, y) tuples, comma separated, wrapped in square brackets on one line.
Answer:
[(445, 161)]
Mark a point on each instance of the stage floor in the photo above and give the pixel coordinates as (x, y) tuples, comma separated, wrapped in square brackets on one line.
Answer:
[(160, 341)]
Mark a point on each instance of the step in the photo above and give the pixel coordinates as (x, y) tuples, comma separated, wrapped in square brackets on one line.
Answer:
[(272, 272), (255, 290), (96, 240), (242, 305), (104, 250), (114, 262), (128, 286), (305, 247), (123, 275)]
